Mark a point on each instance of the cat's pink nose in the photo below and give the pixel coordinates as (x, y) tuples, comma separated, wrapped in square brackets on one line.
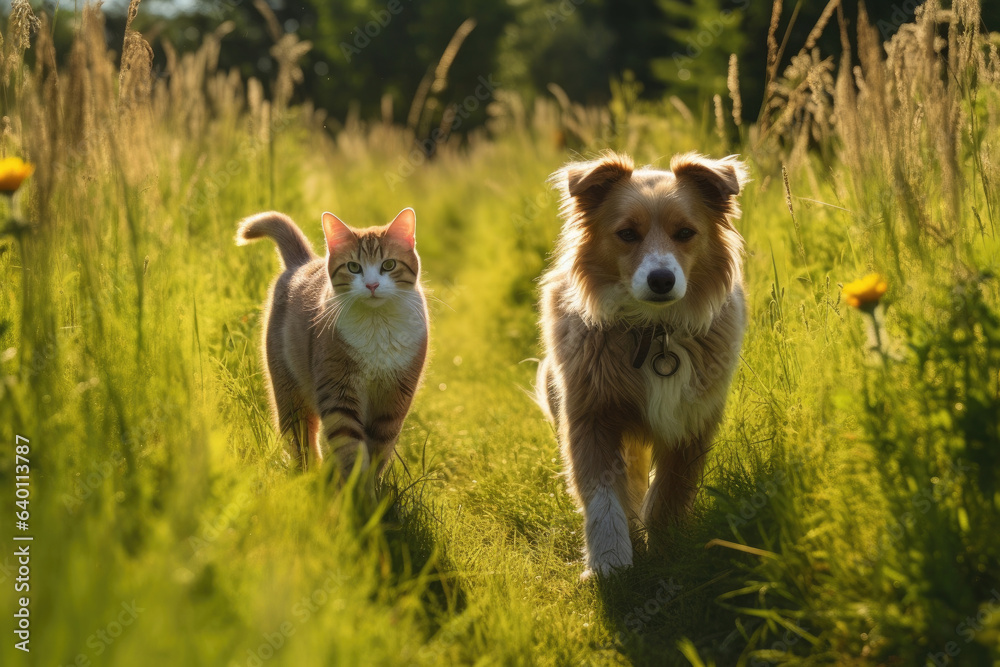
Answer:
[(372, 287)]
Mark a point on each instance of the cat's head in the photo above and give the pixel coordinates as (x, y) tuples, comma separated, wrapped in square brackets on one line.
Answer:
[(376, 264)]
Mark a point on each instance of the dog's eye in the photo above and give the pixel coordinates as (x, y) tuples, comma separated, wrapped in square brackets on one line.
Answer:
[(686, 234), (628, 235), (389, 265), (354, 267)]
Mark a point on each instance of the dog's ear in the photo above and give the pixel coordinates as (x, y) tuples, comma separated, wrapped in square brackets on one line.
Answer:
[(589, 182), (718, 180)]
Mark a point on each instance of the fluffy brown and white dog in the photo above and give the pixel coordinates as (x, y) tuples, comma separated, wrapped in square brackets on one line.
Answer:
[(643, 317)]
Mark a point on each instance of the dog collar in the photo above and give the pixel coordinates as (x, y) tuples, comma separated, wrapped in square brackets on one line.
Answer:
[(665, 363)]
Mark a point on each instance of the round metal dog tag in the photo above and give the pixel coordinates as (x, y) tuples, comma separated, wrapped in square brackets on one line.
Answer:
[(666, 364)]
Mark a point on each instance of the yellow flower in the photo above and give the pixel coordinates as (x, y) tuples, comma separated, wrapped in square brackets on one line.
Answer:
[(865, 292), (13, 171)]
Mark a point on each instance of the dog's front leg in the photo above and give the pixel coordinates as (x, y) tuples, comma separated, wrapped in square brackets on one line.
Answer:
[(675, 485), (599, 476)]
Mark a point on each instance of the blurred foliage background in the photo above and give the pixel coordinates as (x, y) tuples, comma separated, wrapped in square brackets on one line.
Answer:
[(366, 51)]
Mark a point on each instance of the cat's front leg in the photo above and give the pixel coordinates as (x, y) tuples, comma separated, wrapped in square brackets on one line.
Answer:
[(342, 427), (345, 438), (382, 433)]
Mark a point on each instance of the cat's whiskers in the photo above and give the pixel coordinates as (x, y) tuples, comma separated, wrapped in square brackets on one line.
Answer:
[(411, 301), (330, 311), (431, 297), (420, 305)]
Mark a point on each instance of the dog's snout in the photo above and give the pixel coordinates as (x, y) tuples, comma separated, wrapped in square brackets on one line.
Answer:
[(661, 281)]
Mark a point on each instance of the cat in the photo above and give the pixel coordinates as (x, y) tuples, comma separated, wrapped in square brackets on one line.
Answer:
[(345, 337)]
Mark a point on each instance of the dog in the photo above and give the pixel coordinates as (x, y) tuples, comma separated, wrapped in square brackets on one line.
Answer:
[(642, 316)]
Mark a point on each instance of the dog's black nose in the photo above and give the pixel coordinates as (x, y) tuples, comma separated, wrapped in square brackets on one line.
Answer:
[(661, 281)]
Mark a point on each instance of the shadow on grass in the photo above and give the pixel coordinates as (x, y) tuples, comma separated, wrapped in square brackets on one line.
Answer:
[(413, 551), (672, 592), (399, 527), (669, 595)]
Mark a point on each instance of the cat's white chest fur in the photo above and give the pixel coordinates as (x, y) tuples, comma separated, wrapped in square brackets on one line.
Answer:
[(386, 338)]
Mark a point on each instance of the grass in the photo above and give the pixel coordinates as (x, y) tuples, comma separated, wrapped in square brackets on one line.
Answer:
[(168, 531)]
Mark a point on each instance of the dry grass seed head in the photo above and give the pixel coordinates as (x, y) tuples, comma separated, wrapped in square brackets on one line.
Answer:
[(21, 24), (720, 118), (733, 83)]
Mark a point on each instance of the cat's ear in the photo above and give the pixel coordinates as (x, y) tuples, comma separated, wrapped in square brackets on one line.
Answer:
[(336, 231), (404, 228)]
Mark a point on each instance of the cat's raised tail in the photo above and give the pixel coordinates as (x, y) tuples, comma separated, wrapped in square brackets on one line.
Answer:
[(293, 246)]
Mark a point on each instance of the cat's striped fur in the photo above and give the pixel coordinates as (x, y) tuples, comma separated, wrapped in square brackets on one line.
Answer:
[(345, 336)]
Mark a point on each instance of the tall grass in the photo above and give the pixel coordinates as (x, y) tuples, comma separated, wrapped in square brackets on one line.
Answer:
[(850, 507)]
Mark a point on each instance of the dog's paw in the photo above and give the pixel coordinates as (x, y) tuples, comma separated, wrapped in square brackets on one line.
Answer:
[(593, 573), (609, 564), (609, 546)]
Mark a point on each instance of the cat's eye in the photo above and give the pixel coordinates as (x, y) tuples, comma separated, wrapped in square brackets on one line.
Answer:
[(685, 234), (354, 267), (389, 265), (628, 235)]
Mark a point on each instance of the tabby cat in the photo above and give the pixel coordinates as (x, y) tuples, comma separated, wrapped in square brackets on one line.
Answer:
[(345, 337)]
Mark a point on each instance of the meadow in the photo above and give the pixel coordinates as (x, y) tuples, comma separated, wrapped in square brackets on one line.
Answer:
[(851, 509)]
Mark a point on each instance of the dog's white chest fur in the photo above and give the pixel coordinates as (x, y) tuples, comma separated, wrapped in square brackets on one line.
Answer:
[(680, 405), (672, 409), (664, 398), (386, 339)]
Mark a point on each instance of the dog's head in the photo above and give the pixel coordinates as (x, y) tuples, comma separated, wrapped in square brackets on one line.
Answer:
[(648, 244)]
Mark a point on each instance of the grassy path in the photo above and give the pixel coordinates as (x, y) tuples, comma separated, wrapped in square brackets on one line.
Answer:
[(851, 495)]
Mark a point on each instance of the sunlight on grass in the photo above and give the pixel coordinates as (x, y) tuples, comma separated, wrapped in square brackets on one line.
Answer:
[(864, 495)]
